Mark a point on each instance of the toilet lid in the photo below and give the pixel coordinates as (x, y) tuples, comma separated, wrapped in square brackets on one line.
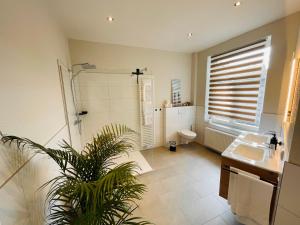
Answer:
[(188, 133)]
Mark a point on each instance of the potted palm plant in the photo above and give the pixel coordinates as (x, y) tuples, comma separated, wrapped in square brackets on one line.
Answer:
[(91, 189)]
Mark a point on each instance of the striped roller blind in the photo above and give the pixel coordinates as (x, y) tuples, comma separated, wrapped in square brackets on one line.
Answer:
[(236, 83)]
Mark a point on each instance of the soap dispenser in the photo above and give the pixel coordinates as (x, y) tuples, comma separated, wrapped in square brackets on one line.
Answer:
[(273, 142)]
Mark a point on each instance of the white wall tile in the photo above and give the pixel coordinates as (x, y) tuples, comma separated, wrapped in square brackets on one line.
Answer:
[(123, 91), (21, 202), (93, 79), (124, 79), (92, 124), (109, 99), (96, 106), (11, 159), (94, 93), (270, 122), (124, 105)]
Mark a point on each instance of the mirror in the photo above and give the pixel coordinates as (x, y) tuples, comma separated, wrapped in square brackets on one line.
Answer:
[(176, 92)]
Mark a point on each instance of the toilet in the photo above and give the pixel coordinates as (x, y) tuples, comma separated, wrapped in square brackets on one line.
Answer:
[(186, 136)]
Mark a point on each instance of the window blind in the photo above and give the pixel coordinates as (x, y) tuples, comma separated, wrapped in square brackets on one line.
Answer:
[(236, 83)]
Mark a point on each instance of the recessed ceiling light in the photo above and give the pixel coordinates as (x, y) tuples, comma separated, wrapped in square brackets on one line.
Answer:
[(237, 4), (110, 19), (190, 35)]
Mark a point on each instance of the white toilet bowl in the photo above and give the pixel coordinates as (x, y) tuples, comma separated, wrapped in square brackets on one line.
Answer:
[(187, 136)]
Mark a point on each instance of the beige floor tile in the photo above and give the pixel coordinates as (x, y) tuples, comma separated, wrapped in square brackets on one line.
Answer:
[(228, 217), (202, 210), (183, 188)]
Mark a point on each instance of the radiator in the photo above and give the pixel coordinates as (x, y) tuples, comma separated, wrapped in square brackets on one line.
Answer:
[(146, 131), (217, 140)]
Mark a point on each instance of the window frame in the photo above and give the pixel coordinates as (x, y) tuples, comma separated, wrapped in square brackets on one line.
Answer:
[(236, 123)]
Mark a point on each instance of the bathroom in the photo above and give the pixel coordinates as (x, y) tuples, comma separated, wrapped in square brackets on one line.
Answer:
[(157, 68)]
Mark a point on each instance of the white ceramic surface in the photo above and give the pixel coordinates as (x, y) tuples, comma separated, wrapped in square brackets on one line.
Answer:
[(187, 134), (262, 156), (250, 152), (256, 138)]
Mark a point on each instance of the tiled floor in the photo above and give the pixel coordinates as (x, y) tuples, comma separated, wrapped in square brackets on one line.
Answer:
[(183, 188)]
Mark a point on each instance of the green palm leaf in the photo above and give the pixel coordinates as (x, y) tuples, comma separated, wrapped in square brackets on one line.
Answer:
[(91, 189)]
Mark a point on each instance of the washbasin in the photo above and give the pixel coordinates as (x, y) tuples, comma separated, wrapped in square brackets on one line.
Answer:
[(249, 152), (259, 139)]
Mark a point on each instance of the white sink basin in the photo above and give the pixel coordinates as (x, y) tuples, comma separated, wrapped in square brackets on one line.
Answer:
[(259, 139), (249, 152)]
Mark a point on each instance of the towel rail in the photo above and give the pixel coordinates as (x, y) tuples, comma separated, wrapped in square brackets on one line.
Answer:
[(268, 181)]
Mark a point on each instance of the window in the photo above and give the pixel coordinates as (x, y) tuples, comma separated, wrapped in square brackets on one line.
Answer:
[(236, 85)]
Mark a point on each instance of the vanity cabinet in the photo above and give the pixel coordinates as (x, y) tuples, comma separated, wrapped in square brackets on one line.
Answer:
[(265, 175)]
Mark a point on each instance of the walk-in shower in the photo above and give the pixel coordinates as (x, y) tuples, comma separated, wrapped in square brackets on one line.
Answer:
[(113, 96)]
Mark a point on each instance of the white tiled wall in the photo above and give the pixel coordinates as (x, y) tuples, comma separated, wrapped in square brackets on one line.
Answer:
[(21, 202), (108, 98), (10, 161), (24, 204), (271, 122)]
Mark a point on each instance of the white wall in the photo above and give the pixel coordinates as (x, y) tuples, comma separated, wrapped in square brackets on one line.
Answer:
[(292, 128), (163, 65), (30, 87), (31, 102)]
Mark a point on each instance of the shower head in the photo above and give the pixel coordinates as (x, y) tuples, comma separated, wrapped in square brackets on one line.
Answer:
[(85, 66), (88, 66)]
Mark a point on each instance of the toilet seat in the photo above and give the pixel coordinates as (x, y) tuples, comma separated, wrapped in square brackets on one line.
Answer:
[(188, 134)]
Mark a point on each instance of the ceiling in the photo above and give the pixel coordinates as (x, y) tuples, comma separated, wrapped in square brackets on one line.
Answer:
[(165, 24)]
